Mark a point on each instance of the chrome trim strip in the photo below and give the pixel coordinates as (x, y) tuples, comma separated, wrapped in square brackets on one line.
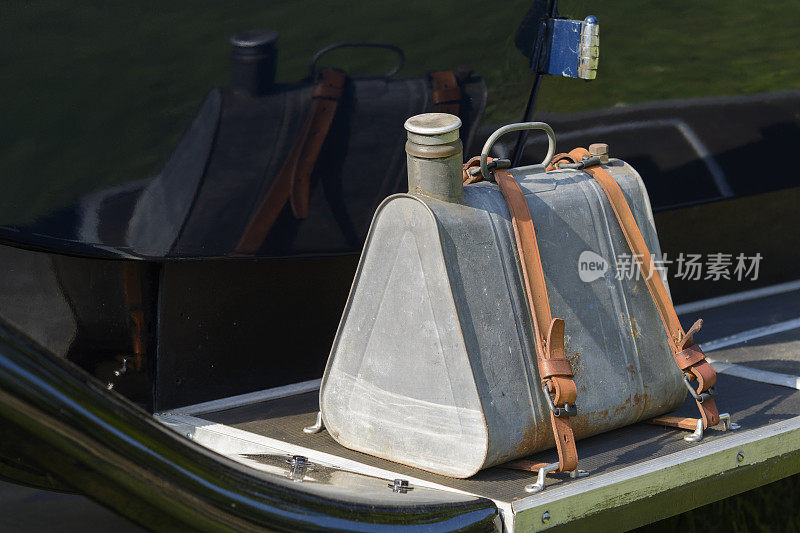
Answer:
[(743, 296), (750, 334), (232, 443), (703, 153), (245, 399), (754, 374)]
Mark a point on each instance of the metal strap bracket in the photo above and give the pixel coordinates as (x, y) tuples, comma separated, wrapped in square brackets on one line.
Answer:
[(724, 419), (538, 485), (318, 426)]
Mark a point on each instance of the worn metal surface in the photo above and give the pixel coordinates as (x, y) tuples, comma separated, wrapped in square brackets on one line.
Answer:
[(433, 156), (433, 366)]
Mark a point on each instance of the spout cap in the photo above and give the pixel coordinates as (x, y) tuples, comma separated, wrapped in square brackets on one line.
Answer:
[(254, 41), (254, 61), (433, 128)]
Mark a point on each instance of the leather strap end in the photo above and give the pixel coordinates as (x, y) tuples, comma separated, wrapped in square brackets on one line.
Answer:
[(327, 92), (330, 85), (688, 337), (709, 413), (555, 361), (675, 422), (564, 391), (706, 378), (555, 340), (565, 444), (705, 375), (446, 95), (689, 356), (299, 201)]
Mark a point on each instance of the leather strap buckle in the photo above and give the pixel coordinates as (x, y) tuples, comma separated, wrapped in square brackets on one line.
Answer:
[(702, 396), (560, 412)]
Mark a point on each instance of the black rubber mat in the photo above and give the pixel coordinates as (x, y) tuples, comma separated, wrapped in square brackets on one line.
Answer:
[(752, 404)]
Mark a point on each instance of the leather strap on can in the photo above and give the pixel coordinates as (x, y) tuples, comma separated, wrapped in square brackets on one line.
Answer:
[(446, 93), (555, 372), (293, 182), (687, 354)]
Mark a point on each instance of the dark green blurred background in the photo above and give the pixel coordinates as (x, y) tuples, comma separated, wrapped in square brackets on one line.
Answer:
[(97, 93)]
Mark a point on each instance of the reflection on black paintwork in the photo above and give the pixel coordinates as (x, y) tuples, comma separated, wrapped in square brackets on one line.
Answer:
[(94, 163), (269, 169), (95, 104), (97, 314)]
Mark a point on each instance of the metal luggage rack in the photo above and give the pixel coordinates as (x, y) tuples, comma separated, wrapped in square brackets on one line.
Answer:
[(636, 470)]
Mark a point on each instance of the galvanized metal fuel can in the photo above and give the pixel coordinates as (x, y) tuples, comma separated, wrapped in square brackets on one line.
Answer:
[(434, 365)]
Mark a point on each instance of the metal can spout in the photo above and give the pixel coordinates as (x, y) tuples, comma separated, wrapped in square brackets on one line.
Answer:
[(434, 156)]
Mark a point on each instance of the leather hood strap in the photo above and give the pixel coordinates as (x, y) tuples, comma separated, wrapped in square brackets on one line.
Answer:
[(446, 93), (554, 369), (687, 354), (293, 182)]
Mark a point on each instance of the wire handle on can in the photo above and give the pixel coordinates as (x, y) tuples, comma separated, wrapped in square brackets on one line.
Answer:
[(499, 132), (386, 46)]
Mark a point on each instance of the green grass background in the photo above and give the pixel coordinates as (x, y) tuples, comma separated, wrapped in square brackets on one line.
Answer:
[(97, 93)]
